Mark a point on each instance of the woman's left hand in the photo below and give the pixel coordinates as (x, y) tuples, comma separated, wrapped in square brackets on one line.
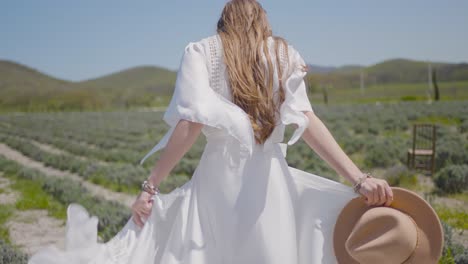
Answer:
[(141, 208), (376, 191)]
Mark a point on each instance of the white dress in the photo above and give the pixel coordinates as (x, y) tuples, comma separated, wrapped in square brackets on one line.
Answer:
[(243, 204)]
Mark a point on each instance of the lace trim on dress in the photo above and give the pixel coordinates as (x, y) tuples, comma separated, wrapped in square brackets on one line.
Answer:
[(216, 68), (214, 64), (283, 58)]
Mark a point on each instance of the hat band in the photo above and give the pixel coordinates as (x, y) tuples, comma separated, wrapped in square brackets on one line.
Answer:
[(417, 238)]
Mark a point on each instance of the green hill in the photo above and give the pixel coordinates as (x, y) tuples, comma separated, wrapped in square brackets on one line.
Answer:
[(138, 86), (15, 75), (149, 78), (19, 84), (25, 89), (401, 71)]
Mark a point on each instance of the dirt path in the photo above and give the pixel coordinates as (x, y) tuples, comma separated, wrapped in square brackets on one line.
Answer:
[(34, 229), (6, 195), (31, 229), (427, 185), (96, 190)]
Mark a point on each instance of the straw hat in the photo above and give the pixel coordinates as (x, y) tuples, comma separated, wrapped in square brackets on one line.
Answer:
[(407, 231)]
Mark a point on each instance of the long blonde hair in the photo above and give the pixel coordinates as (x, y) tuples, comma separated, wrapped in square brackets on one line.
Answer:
[(244, 31)]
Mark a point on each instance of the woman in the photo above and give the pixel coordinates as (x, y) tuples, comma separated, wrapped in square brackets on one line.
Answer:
[(243, 204)]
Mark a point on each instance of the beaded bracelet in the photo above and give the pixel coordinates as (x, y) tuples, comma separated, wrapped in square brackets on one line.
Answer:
[(357, 186), (149, 188)]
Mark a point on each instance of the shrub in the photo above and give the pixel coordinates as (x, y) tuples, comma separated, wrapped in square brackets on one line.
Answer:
[(444, 132), (450, 150), (353, 144), (399, 175), (452, 179), (464, 126), (456, 217), (6, 210), (112, 215), (452, 251), (373, 129), (395, 122), (10, 255), (462, 257), (364, 125), (383, 153)]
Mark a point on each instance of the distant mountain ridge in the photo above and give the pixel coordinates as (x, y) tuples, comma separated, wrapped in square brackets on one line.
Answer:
[(329, 69), (389, 71), (25, 88)]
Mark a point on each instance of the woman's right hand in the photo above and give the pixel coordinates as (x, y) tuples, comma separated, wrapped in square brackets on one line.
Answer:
[(376, 191), (141, 208)]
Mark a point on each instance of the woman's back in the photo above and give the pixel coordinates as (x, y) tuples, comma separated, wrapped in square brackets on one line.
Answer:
[(202, 93), (219, 79)]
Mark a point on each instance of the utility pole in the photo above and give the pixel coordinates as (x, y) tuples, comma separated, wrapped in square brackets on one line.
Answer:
[(429, 81), (362, 82)]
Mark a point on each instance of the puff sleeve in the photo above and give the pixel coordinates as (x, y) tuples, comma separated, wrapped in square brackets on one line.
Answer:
[(296, 99), (194, 100)]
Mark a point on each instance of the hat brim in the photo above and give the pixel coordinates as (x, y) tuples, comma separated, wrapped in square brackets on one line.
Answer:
[(431, 238)]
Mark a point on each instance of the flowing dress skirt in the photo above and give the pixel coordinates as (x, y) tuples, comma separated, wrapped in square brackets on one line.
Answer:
[(233, 210)]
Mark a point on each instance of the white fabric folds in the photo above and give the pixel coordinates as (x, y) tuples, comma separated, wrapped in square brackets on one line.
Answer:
[(195, 100), (296, 97)]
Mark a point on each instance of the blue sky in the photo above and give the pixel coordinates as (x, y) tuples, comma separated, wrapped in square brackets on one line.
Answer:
[(78, 40)]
